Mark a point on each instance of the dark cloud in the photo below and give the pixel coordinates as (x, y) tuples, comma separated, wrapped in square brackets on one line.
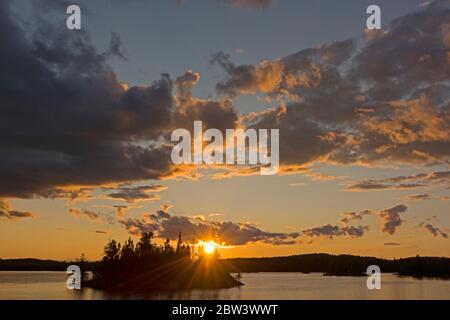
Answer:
[(369, 185), (165, 225), (392, 244), (116, 47), (328, 231), (250, 4), (414, 52), (218, 114), (390, 219), (435, 231), (402, 182), (331, 231), (348, 217), (66, 120), (71, 194), (413, 197), (366, 186), (344, 229), (253, 4), (139, 193)]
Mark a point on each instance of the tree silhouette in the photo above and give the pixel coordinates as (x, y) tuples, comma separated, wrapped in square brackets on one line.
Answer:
[(111, 250), (149, 266)]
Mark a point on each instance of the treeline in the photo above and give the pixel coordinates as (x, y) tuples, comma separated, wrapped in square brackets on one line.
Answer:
[(30, 264), (147, 266), (129, 259), (343, 265)]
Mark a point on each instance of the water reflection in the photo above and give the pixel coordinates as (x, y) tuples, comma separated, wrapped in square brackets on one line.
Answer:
[(51, 285)]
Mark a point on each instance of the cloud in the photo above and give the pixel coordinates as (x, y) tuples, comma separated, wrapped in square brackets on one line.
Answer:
[(6, 211), (390, 218), (249, 4), (435, 231), (120, 211), (316, 176), (345, 228), (389, 96), (85, 213), (413, 197), (330, 231), (218, 114), (116, 47), (68, 121), (370, 185), (93, 215), (248, 79), (392, 244), (71, 194), (348, 217), (252, 4), (418, 180), (139, 193), (165, 225)]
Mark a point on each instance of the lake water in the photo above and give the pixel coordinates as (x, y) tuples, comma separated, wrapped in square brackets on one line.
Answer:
[(277, 286)]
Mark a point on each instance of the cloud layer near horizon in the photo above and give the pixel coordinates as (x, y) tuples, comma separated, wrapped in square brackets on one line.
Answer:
[(165, 225)]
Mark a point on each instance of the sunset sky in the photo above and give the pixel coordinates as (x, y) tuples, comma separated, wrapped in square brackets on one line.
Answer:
[(364, 120)]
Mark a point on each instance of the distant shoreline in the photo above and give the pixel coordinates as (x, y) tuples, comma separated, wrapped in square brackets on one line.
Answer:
[(329, 265), (344, 265)]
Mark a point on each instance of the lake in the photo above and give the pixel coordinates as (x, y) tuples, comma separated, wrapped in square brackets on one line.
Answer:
[(258, 286)]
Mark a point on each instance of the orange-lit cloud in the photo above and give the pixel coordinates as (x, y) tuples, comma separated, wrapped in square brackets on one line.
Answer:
[(6, 211), (166, 225)]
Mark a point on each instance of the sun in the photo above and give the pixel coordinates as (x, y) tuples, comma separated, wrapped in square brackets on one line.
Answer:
[(209, 247)]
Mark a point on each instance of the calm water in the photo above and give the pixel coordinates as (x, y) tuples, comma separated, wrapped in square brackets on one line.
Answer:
[(51, 285)]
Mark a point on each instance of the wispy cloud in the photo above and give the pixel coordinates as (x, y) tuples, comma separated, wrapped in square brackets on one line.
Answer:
[(93, 215), (414, 197), (434, 230), (6, 211), (138, 193), (414, 181), (392, 244)]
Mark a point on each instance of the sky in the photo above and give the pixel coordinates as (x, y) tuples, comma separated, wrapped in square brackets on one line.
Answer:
[(363, 115)]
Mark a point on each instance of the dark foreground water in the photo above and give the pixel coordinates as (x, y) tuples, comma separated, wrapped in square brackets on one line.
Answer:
[(278, 286)]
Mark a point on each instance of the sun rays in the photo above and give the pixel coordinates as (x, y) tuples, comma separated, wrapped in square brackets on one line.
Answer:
[(208, 247)]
